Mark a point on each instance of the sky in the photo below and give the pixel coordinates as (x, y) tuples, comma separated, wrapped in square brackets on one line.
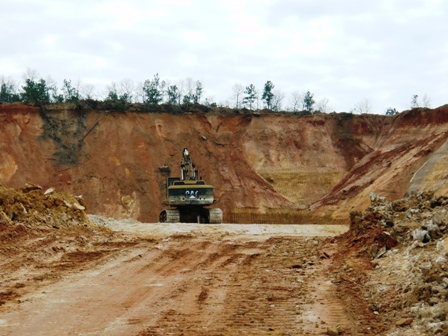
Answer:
[(347, 51)]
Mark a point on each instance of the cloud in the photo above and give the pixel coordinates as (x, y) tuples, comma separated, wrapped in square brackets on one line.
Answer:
[(344, 50)]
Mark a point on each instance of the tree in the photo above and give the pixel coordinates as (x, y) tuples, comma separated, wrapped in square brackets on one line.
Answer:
[(186, 99), (238, 90), (277, 100), (70, 93), (87, 91), (391, 111), (173, 94), (36, 92), (112, 92), (296, 99), (196, 96), (426, 101), (414, 101), (126, 92), (268, 95), (308, 101), (363, 106), (322, 106), (181, 88), (31, 74), (189, 87), (210, 102), (8, 90), (153, 90), (250, 96)]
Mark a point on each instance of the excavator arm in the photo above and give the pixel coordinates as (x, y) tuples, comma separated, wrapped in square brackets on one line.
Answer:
[(189, 171)]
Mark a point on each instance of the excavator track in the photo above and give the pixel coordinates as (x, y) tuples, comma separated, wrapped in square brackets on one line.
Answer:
[(215, 216), (169, 216)]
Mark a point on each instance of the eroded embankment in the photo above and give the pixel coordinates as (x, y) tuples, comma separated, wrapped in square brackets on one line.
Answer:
[(119, 161)]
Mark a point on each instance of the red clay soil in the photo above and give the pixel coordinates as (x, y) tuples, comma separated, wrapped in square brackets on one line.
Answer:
[(61, 275), (185, 285), (118, 160)]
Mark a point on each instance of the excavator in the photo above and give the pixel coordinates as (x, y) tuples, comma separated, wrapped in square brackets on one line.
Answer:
[(189, 196)]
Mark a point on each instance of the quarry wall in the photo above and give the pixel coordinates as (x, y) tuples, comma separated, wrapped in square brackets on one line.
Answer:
[(119, 160)]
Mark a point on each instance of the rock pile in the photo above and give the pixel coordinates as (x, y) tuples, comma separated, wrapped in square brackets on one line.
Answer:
[(31, 206), (408, 242)]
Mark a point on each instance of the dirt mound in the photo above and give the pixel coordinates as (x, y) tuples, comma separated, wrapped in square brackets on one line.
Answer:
[(31, 206), (405, 243), (44, 235)]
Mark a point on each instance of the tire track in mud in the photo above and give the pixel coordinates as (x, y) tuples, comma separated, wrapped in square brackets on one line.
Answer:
[(190, 285), (252, 288)]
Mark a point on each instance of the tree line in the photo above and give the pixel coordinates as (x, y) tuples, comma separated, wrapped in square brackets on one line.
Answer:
[(155, 91)]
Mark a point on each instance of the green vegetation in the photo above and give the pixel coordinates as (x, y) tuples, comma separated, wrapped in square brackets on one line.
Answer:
[(250, 95), (155, 91), (268, 95), (308, 101)]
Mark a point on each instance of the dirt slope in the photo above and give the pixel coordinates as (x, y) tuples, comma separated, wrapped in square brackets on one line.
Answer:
[(259, 161)]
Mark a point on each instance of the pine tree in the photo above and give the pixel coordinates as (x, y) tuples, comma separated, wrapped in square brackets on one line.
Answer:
[(250, 96), (268, 95), (308, 101), (153, 90)]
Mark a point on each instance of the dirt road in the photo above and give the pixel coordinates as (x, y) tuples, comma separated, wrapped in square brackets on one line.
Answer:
[(194, 280)]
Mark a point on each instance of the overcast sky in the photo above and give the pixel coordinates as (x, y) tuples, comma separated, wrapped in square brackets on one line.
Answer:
[(346, 50)]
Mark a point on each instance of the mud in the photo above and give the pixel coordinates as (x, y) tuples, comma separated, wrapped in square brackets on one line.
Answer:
[(187, 283), (384, 274), (125, 277)]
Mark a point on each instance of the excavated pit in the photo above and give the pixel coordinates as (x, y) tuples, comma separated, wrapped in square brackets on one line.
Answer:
[(383, 273)]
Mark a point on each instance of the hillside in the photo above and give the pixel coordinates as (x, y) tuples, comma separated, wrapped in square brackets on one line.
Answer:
[(118, 161)]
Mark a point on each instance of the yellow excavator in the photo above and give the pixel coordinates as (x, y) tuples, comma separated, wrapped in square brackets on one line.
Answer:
[(189, 196)]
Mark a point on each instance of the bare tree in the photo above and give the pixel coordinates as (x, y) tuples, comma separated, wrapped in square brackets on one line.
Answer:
[(139, 93), (8, 81), (277, 100), (363, 106), (31, 74), (295, 99), (87, 91), (127, 90), (258, 100), (113, 92), (51, 82), (322, 105), (426, 101), (181, 85), (190, 87), (238, 90)]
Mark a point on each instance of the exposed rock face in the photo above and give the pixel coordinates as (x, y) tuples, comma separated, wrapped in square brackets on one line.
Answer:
[(331, 162), (407, 240)]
